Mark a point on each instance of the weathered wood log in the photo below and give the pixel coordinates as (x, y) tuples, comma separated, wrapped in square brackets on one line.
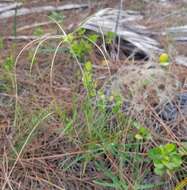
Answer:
[(26, 11), (181, 60), (7, 7), (134, 36), (178, 33)]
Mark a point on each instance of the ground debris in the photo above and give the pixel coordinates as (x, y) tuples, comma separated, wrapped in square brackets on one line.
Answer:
[(178, 33), (172, 109), (129, 31), (144, 84), (181, 60), (41, 9), (7, 7)]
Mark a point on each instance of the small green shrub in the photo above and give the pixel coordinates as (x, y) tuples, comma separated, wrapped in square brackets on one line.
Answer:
[(80, 44), (81, 48), (166, 159)]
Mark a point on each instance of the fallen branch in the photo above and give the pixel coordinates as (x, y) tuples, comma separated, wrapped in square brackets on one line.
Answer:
[(26, 11), (9, 7)]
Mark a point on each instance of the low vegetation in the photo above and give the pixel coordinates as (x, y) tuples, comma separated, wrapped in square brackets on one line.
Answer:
[(61, 130)]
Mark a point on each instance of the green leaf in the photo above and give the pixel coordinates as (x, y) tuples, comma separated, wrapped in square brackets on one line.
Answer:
[(57, 16), (81, 31), (93, 37), (69, 38), (159, 166), (38, 31), (159, 171), (170, 147), (138, 137), (177, 160), (88, 66), (110, 37), (153, 153), (170, 165)]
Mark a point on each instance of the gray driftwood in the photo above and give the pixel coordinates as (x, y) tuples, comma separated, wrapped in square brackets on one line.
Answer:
[(179, 33), (181, 60), (4, 7), (128, 29), (26, 11)]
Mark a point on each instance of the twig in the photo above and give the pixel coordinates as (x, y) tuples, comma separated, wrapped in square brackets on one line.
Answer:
[(26, 11), (15, 22), (117, 24), (34, 25)]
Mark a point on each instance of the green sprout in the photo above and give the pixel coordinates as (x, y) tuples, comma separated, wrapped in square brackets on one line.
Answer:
[(38, 32), (142, 132), (8, 64), (80, 43), (87, 79)]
